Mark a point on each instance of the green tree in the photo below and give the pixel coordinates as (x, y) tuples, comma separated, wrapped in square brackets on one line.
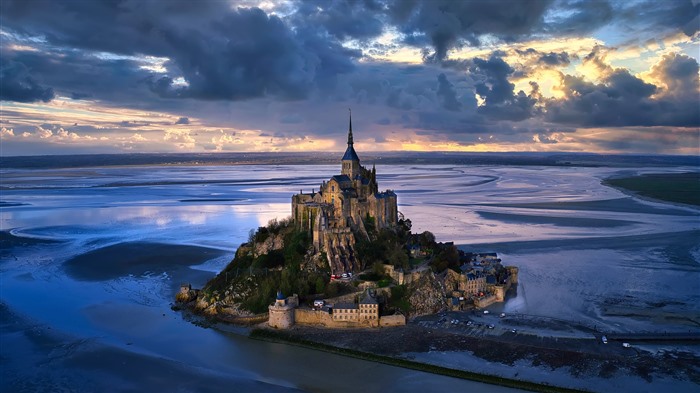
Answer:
[(332, 289), (320, 285), (398, 257)]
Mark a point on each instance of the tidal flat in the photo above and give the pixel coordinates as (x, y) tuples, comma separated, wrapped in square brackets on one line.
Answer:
[(92, 258)]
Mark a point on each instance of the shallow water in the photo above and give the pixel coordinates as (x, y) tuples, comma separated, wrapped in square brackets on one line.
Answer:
[(585, 252)]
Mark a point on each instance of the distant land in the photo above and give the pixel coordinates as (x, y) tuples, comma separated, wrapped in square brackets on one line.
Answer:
[(671, 187), (330, 158)]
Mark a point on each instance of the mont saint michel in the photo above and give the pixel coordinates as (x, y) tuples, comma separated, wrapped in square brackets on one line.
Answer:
[(342, 207), (347, 258)]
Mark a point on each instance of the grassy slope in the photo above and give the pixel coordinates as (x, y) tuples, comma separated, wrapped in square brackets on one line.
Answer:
[(676, 187)]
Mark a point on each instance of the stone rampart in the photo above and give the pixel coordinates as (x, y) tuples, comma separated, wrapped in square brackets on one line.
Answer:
[(485, 301), (323, 318), (312, 317), (392, 320)]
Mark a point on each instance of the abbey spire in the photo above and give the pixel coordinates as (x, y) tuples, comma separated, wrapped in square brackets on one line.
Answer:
[(350, 143), (350, 161)]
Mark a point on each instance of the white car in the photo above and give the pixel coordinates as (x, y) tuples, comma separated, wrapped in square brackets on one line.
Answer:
[(604, 340), (486, 311), (626, 345)]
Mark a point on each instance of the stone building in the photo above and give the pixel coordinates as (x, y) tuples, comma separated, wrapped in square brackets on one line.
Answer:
[(346, 312), (281, 312), (342, 208), (369, 310), (366, 312)]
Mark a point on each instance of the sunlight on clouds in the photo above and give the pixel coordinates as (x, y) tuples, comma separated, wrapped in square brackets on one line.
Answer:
[(253, 140), (154, 64), (181, 138), (7, 133)]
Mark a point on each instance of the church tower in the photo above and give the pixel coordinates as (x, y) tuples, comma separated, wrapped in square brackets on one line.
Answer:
[(351, 162)]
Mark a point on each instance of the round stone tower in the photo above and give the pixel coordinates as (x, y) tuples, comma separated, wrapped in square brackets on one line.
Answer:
[(281, 313)]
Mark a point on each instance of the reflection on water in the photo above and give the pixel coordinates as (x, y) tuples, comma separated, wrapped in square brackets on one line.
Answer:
[(580, 247)]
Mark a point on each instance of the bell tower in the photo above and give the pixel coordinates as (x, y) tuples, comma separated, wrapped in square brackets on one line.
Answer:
[(350, 161)]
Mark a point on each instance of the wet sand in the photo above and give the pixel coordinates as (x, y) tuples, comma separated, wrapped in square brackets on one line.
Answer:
[(44, 360), (581, 362), (136, 258)]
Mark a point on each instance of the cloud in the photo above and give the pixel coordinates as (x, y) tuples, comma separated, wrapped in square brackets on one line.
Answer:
[(447, 93), (183, 120), (445, 23), (574, 17), (16, 84), (677, 77), (497, 91), (7, 133), (555, 59), (342, 19), (219, 52), (622, 99), (180, 138), (552, 138)]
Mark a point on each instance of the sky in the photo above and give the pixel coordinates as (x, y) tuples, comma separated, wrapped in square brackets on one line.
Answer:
[(80, 76)]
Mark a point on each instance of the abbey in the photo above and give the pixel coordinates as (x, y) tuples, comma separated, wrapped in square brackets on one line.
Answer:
[(343, 208)]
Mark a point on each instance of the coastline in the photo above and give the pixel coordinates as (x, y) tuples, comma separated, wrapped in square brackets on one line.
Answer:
[(564, 362)]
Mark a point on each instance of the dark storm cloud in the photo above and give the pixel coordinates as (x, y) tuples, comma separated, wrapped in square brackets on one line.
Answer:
[(493, 86), (661, 16), (573, 17), (444, 23), (555, 59), (79, 96), (621, 99), (183, 120), (222, 53), (16, 84), (343, 19), (447, 94), (80, 75)]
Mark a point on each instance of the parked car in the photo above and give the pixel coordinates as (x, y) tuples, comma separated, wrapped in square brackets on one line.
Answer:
[(503, 315), (491, 326), (345, 275), (604, 340), (513, 331), (486, 311), (626, 345), (469, 323)]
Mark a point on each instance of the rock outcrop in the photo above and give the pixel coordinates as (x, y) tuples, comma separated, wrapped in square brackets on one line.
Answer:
[(426, 295), (272, 242)]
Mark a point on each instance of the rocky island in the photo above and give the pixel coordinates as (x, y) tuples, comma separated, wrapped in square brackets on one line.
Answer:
[(348, 258), (345, 274)]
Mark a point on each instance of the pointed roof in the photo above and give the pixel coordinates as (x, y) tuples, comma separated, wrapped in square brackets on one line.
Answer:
[(368, 299), (350, 154)]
